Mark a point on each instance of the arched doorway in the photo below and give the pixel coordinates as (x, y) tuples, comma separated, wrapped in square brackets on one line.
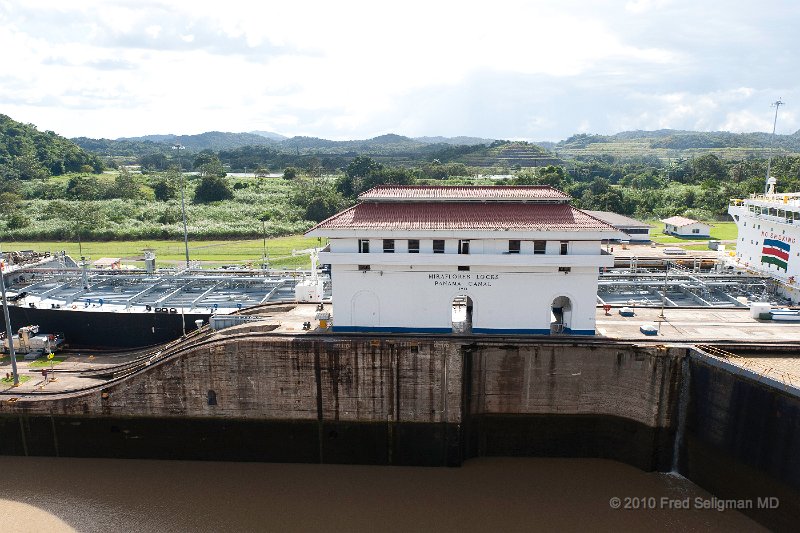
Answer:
[(461, 313), (366, 309), (560, 315)]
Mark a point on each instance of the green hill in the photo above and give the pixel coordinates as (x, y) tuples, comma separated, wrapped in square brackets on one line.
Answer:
[(679, 143), (27, 153)]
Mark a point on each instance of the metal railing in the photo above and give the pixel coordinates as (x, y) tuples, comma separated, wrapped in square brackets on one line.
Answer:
[(788, 379)]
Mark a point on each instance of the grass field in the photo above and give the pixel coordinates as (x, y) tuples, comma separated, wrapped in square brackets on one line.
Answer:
[(211, 253), (723, 231)]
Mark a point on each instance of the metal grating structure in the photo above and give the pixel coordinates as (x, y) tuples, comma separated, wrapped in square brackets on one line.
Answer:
[(188, 290), (680, 287)]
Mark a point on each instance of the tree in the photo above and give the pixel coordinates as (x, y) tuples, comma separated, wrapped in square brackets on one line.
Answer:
[(212, 189), (85, 188), (319, 200), (361, 167), (165, 189), (708, 167), (356, 176), (125, 186), (207, 163), (80, 219), (289, 173)]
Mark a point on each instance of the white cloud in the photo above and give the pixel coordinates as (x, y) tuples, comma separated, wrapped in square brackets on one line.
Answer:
[(352, 69)]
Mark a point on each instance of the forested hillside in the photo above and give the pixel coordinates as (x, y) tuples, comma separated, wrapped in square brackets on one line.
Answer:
[(27, 153)]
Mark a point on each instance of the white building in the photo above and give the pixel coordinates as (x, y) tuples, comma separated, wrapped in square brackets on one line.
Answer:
[(686, 227), (480, 259)]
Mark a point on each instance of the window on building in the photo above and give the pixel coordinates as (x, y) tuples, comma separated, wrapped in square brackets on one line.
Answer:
[(539, 247), (564, 247), (513, 247), (363, 246), (695, 230), (413, 246), (363, 268), (566, 270), (388, 246), (463, 268), (438, 246), (463, 247), (212, 397)]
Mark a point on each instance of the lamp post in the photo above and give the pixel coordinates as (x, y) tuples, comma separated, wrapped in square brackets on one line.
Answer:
[(664, 295), (180, 147), (264, 218), (10, 339)]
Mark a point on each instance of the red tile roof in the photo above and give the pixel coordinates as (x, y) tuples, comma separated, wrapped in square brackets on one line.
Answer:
[(443, 193), (488, 216)]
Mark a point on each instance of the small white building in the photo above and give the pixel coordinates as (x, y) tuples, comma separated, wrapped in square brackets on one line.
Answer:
[(504, 260), (686, 227)]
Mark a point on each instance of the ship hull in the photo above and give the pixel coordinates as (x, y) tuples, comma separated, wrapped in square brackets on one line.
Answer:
[(99, 329)]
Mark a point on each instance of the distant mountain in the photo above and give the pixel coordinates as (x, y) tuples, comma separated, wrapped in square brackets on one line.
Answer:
[(457, 141), (381, 145), (27, 153), (643, 141), (211, 140), (270, 135)]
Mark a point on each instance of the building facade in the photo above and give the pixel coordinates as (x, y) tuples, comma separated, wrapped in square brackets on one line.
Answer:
[(686, 227), (504, 260)]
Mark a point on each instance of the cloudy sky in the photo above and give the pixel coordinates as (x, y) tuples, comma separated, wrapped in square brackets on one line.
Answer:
[(538, 70)]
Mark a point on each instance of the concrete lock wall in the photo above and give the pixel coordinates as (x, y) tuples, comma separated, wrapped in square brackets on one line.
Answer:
[(434, 401), (740, 439), (303, 400), (517, 300), (574, 401), (385, 401)]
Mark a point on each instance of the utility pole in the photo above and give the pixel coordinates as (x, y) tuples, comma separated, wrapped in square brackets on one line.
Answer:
[(777, 104), (180, 147), (11, 353), (664, 295)]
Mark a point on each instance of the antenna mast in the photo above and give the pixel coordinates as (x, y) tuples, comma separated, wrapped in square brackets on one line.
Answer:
[(777, 104)]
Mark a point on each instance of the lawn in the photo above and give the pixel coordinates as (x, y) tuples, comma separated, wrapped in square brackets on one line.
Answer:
[(10, 381), (282, 251), (44, 362), (723, 231)]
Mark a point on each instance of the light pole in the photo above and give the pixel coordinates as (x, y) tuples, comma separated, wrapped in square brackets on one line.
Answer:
[(777, 104), (664, 295), (180, 147), (264, 219), (10, 339)]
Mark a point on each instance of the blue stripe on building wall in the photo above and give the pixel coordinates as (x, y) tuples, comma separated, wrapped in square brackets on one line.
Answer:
[(492, 331), (388, 329), (479, 331), (579, 331)]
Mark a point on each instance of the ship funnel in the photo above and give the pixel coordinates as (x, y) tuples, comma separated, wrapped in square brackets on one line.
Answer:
[(771, 185)]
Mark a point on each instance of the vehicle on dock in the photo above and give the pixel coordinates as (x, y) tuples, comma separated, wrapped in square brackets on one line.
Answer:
[(31, 344)]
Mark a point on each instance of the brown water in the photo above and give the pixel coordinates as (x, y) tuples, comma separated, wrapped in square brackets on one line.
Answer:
[(496, 494)]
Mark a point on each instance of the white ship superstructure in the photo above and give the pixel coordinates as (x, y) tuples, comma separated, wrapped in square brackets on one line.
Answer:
[(769, 237)]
